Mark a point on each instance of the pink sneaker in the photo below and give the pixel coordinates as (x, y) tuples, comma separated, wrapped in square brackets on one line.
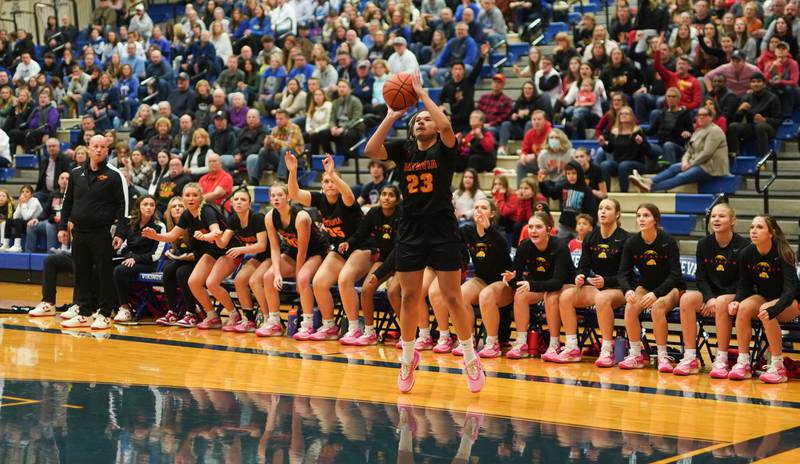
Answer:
[(189, 321), (776, 373), (234, 318), (687, 367), (269, 329), (331, 333), (350, 338), (248, 326), (476, 378), (210, 323), (568, 356), (550, 355), (405, 379), (606, 359), (491, 351), (665, 365), (168, 319), (423, 343), (632, 362), (302, 334), (518, 351), (444, 345), (719, 370), (367, 340), (740, 372)]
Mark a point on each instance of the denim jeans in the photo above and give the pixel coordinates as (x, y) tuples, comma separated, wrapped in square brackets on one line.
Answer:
[(33, 233), (673, 177), (256, 164), (623, 169), (643, 103), (524, 169), (670, 151), (509, 130)]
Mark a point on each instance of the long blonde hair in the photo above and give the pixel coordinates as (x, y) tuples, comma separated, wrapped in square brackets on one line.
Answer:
[(615, 128), (184, 238)]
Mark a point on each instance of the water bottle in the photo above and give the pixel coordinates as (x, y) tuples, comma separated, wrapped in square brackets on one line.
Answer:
[(291, 323), (533, 343), (620, 349)]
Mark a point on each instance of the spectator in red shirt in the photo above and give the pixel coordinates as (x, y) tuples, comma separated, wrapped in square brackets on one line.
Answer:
[(782, 77), (685, 82), (496, 105), (532, 144), (477, 146), (216, 184)]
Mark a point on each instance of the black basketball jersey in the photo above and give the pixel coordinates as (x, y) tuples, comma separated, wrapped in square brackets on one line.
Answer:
[(425, 177), (340, 221), (288, 233)]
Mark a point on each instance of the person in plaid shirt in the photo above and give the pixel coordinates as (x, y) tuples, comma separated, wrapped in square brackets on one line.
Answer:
[(286, 137), (496, 105)]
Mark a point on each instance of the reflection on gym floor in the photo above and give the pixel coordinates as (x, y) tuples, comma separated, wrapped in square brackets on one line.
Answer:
[(137, 424)]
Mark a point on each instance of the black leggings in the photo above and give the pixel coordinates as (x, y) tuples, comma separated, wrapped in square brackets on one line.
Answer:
[(124, 276), (176, 274)]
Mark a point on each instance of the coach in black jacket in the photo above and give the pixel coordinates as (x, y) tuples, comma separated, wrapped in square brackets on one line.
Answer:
[(96, 198)]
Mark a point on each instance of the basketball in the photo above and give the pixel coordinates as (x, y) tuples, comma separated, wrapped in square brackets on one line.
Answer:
[(398, 91)]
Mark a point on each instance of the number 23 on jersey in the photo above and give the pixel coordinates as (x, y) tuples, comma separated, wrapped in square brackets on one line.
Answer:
[(420, 183)]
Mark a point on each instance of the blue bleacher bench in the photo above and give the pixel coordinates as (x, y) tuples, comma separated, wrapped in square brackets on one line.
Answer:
[(6, 174), (26, 161), (744, 165), (695, 203)]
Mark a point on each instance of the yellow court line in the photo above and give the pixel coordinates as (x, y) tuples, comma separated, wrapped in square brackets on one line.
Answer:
[(72, 406), (787, 457), (691, 453)]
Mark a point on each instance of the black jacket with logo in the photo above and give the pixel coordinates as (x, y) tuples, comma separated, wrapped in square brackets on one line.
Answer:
[(95, 199)]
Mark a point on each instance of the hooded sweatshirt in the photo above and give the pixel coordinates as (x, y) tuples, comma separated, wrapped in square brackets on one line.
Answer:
[(575, 198)]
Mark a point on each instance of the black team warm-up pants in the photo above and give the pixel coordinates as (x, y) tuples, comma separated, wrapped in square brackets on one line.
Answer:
[(92, 248)]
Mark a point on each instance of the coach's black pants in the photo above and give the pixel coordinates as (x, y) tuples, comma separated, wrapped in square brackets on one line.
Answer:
[(92, 249), (125, 276), (176, 274)]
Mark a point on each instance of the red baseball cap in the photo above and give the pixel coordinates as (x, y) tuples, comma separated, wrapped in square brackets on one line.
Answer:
[(499, 77)]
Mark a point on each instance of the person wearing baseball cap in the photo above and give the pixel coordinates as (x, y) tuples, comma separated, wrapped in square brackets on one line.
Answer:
[(141, 23), (737, 74), (496, 105), (402, 60), (758, 116)]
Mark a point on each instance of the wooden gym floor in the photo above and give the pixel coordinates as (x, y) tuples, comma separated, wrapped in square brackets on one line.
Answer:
[(155, 394)]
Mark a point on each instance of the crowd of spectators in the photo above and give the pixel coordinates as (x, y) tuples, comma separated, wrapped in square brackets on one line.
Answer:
[(222, 92)]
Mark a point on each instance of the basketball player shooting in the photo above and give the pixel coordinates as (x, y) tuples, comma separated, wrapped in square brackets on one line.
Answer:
[(428, 230)]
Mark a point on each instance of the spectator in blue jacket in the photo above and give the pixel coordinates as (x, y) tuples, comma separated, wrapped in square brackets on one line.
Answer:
[(128, 86), (362, 83), (461, 48), (466, 4), (159, 68), (133, 60), (302, 71), (201, 58)]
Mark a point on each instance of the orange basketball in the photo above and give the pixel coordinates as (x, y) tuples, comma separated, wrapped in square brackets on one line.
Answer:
[(398, 91)]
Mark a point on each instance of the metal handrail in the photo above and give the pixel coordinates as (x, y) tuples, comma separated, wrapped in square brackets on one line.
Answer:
[(14, 15), (772, 155), (720, 198), (354, 148)]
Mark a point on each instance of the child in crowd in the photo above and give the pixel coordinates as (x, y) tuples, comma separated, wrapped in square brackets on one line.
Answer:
[(584, 224)]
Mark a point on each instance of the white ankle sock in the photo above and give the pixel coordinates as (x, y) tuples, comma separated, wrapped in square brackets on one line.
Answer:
[(308, 320), (636, 348), (662, 351), (408, 352), (444, 334), (572, 341), (690, 353), (777, 360), (276, 317), (490, 340), (327, 323), (353, 326), (522, 337), (369, 329), (469, 349), (554, 343), (424, 333), (607, 345), (744, 358)]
